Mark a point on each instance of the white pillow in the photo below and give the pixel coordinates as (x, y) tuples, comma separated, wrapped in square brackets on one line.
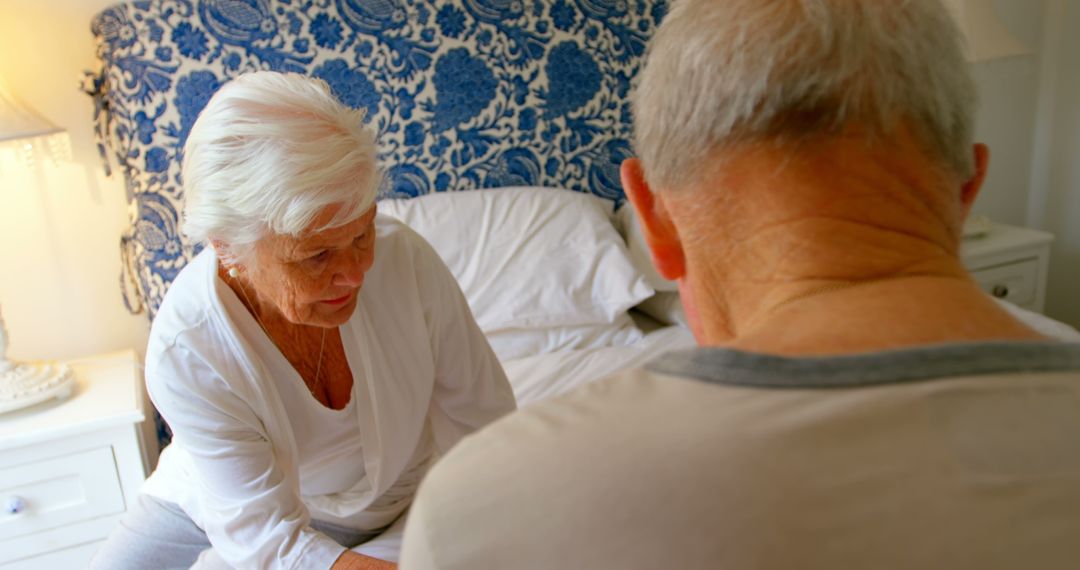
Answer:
[(529, 258), (639, 251), (510, 344)]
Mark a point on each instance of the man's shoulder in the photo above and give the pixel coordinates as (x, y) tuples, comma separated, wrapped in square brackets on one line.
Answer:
[(589, 410), (570, 481), (615, 418)]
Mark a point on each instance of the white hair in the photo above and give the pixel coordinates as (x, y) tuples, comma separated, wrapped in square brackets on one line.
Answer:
[(721, 73), (268, 153)]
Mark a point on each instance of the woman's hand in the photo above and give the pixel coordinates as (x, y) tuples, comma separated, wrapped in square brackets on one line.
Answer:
[(350, 560)]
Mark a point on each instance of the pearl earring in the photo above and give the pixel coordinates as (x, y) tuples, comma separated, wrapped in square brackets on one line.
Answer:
[(234, 272)]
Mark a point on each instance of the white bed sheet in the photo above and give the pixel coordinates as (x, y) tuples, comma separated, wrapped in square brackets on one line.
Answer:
[(536, 378)]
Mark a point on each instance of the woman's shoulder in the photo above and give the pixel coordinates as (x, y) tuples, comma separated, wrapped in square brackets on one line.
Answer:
[(392, 231), (407, 269), (189, 342), (190, 300), (400, 245)]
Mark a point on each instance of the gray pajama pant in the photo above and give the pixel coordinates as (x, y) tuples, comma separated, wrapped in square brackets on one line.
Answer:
[(159, 534)]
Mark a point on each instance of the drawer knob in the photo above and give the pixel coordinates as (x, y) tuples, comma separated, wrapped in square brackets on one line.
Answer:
[(1000, 291), (14, 505)]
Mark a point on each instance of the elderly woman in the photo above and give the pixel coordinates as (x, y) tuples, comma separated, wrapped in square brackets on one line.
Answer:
[(312, 362)]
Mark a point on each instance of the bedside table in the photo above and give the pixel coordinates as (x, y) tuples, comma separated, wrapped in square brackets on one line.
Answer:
[(71, 467), (1010, 263)]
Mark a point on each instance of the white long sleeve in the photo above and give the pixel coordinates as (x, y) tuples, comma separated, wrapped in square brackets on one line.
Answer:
[(424, 377)]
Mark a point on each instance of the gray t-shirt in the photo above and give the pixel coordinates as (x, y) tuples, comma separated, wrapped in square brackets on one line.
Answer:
[(950, 456)]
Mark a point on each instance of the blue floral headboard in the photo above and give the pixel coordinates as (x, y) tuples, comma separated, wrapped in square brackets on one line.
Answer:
[(463, 94)]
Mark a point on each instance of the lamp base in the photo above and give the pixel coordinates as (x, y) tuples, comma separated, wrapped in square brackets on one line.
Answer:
[(24, 384)]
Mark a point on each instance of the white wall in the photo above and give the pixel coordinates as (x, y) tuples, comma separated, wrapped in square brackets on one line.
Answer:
[(59, 227), (1030, 116), (1055, 195), (1008, 100)]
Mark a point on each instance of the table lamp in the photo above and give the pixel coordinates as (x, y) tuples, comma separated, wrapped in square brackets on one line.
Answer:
[(986, 37), (24, 384)]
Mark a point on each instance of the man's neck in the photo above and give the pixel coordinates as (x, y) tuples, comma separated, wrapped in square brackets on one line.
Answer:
[(826, 255)]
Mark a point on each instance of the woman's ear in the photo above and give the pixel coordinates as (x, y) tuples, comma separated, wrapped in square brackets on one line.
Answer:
[(220, 248), (224, 255), (660, 234)]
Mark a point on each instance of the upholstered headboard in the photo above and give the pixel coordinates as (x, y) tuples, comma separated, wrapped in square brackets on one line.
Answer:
[(463, 94)]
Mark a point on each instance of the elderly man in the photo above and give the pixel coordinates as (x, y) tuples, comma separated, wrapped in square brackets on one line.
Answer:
[(856, 401)]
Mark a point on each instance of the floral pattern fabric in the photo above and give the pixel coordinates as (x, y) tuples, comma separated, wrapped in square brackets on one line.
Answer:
[(463, 94)]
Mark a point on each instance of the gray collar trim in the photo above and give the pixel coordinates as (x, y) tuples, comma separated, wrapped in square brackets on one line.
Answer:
[(733, 367)]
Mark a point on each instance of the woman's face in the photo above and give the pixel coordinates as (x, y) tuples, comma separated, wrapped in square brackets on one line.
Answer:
[(314, 279)]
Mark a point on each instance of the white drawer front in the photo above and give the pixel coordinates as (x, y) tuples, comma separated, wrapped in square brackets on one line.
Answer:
[(1015, 282), (59, 491), (74, 557)]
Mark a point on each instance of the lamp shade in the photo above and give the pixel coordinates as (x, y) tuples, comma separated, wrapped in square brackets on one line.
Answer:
[(31, 134), (987, 37), (18, 121)]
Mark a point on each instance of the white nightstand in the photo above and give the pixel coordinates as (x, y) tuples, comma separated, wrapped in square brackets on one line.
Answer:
[(1010, 263), (74, 465)]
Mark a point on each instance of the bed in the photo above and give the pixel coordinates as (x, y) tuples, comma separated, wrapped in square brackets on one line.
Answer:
[(501, 125)]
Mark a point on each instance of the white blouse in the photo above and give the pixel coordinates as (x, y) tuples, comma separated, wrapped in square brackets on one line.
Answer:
[(332, 456), (424, 377)]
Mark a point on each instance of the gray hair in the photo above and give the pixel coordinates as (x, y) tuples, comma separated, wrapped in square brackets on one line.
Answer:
[(268, 153), (723, 73)]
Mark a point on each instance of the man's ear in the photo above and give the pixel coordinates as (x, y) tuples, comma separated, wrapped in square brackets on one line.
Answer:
[(660, 234), (970, 190)]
